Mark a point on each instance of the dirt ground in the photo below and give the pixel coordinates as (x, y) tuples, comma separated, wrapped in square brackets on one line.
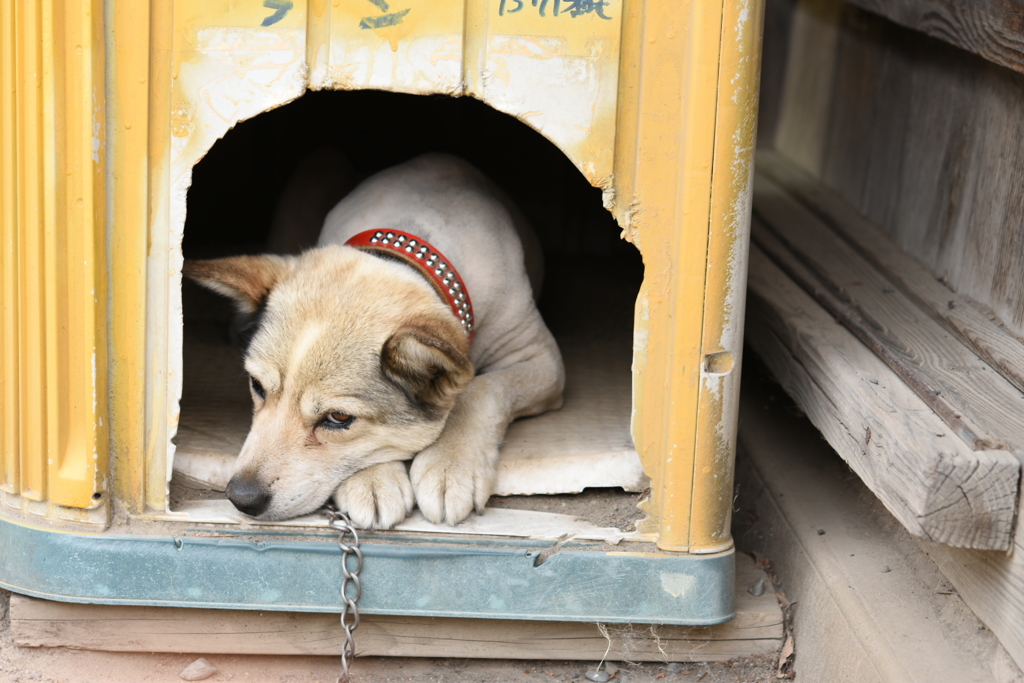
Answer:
[(59, 665)]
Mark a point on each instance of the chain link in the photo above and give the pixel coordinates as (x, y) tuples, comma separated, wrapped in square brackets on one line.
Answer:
[(340, 522)]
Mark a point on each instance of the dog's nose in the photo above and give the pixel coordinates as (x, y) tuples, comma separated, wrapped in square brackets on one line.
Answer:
[(247, 495)]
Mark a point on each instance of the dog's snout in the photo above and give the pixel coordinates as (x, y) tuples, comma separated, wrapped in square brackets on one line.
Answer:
[(246, 493)]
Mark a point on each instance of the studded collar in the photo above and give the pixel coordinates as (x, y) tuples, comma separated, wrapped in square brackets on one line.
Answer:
[(425, 258)]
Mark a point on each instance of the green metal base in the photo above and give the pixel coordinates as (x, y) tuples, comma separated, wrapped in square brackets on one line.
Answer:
[(429, 578)]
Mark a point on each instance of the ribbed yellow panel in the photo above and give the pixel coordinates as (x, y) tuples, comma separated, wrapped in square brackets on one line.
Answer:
[(654, 101), (683, 142), (10, 475), (725, 287), (51, 264), (128, 100), (669, 175), (28, 174), (158, 337)]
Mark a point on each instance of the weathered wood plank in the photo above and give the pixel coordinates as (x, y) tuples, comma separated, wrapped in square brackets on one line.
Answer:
[(974, 325), (948, 191), (869, 115), (839, 304), (807, 88), (923, 139), (931, 481), (778, 20), (971, 397), (990, 582), (756, 629), (992, 585), (880, 626), (993, 29)]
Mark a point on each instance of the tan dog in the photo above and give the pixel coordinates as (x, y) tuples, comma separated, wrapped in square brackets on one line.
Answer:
[(357, 364)]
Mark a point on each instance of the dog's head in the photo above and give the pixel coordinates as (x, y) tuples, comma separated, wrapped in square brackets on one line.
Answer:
[(354, 361)]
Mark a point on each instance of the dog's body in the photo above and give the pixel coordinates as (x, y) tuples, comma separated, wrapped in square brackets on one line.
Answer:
[(358, 365)]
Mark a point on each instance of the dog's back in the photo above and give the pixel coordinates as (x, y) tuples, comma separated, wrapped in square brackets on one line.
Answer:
[(358, 364), (450, 204)]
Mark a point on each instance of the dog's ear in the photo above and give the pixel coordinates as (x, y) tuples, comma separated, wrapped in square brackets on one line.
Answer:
[(247, 280), (429, 361)]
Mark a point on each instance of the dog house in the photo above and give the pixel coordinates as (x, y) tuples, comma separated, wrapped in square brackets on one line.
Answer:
[(105, 111)]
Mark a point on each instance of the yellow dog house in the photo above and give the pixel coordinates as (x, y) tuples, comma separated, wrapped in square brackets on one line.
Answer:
[(106, 107)]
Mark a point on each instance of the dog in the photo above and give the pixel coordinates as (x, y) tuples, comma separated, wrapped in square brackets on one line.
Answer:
[(364, 357)]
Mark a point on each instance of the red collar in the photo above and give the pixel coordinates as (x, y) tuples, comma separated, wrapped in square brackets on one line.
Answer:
[(423, 256)]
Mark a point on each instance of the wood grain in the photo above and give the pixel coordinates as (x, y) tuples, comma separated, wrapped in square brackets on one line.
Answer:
[(992, 585), (778, 19), (972, 398), (806, 92), (991, 582), (807, 278), (926, 141), (993, 29), (973, 324), (756, 629), (923, 139), (931, 481)]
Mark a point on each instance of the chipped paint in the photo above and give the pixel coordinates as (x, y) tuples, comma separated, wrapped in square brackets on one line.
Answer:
[(726, 285), (677, 585), (659, 133)]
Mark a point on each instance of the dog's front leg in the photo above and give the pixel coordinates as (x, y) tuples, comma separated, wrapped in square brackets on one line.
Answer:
[(378, 497), (456, 473)]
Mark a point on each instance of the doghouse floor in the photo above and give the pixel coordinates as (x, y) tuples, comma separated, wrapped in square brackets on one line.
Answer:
[(585, 445)]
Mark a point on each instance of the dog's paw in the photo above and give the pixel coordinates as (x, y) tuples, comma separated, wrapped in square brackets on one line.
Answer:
[(378, 497), (451, 482)]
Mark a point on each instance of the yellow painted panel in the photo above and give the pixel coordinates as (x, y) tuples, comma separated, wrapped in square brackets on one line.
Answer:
[(127, 94), (643, 101), (228, 66), (76, 439), (554, 64), (54, 447), (10, 438), (735, 131), (29, 180), (412, 46), (318, 41), (668, 220), (160, 337)]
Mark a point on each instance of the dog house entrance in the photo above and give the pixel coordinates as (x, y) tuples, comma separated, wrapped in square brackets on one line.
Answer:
[(573, 471)]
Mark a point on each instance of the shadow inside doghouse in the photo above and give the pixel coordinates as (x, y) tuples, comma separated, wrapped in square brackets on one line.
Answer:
[(591, 280)]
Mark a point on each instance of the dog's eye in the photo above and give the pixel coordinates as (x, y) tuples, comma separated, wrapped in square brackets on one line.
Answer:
[(337, 420), (257, 388)]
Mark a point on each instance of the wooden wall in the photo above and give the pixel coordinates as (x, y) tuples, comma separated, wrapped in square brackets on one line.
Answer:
[(924, 138)]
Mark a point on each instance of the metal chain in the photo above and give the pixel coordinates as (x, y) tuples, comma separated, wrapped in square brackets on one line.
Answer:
[(340, 522)]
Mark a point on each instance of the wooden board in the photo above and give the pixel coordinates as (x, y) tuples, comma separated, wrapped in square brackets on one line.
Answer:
[(882, 625), (971, 397), (931, 481), (778, 19), (992, 585), (973, 324), (806, 93), (756, 629), (926, 142), (991, 582), (922, 138), (990, 28)]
